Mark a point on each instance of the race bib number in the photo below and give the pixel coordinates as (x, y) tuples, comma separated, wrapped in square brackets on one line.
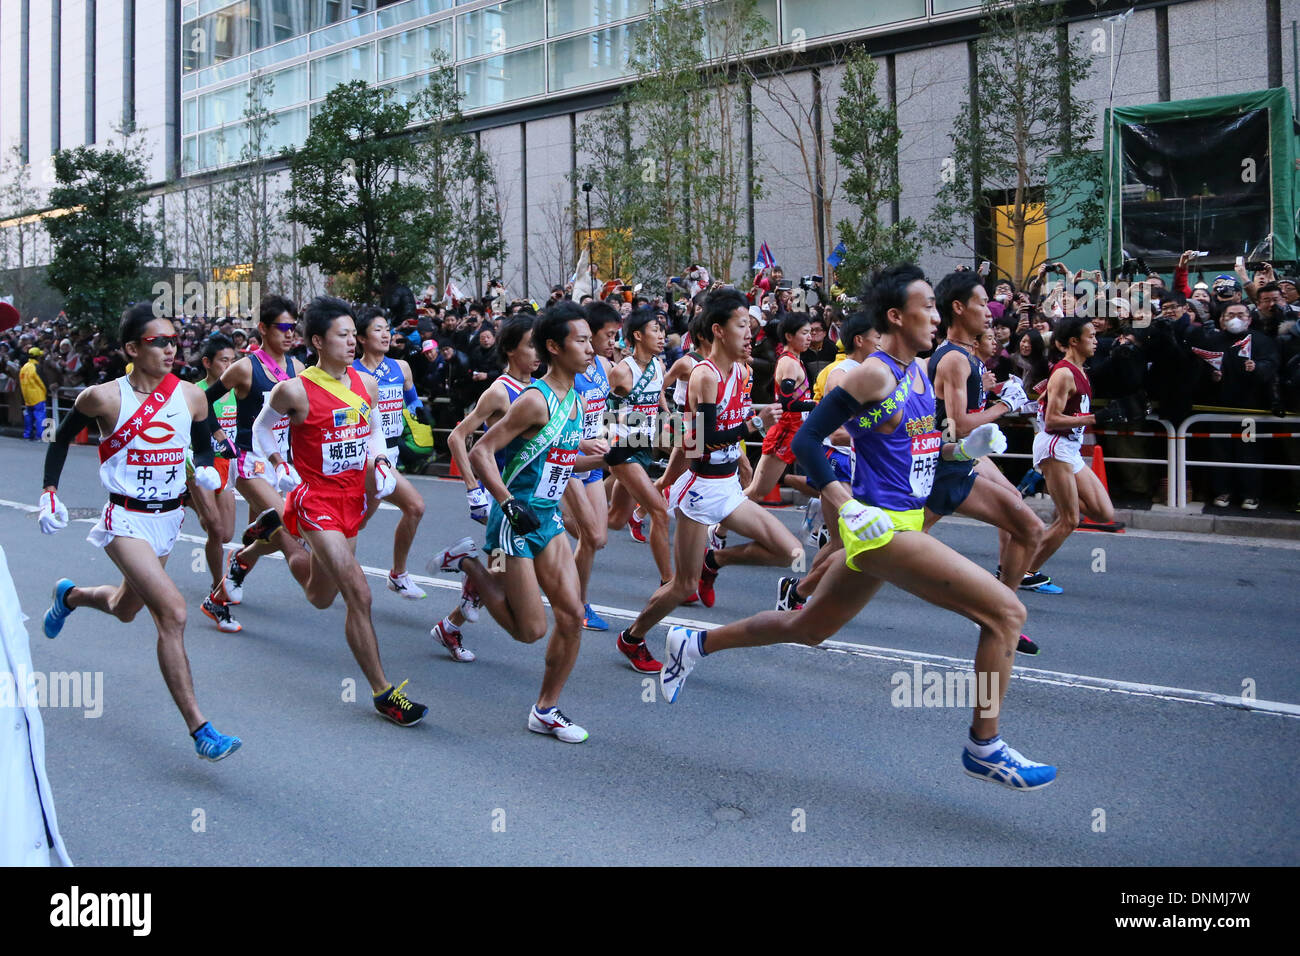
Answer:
[(157, 473), (390, 408), (593, 414), (554, 477), (344, 450), (925, 459)]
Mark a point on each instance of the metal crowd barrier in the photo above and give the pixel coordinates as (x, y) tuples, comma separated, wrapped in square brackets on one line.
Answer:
[(1184, 434)]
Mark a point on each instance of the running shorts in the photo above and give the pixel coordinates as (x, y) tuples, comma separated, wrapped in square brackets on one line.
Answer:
[(953, 481), (1059, 447), (590, 477), (705, 499), (777, 440), (323, 509), (159, 529), (913, 520), (248, 466), (502, 537), (840, 464)]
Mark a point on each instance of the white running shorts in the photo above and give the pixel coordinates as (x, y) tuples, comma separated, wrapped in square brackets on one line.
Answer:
[(1059, 447), (160, 530), (703, 499)]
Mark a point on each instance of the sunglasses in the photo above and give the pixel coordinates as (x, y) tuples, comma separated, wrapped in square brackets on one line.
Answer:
[(285, 327), (162, 341)]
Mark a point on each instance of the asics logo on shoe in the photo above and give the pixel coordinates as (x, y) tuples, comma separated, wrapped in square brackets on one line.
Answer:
[(675, 663)]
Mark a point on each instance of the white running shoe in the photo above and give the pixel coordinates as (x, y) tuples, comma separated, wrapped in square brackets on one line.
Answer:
[(448, 560), (450, 639), (403, 585), (812, 520), (553, 722), (681, 654), (470, 600), (717, 537)]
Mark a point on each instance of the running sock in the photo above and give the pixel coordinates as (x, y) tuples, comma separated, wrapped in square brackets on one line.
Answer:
[(710, 562), (983, 748), (383, 693), (195, 732), (449, 626), (629, 639), (700, 643)]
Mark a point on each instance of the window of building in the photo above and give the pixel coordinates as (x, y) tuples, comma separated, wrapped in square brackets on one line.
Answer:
[(500, 27), (391, 16), (285, 88), (819, 18), (223, 106), (568, 16), (412, 51), (590, 58), (500, 79), (354, 64)]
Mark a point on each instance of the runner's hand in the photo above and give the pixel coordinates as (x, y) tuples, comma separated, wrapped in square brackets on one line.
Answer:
[(864, 522), (286, 478), (385, 478), (985, 440), (207, 477), (1110, 416), (479, 504), (53, 516), (520, 516), (1013, 395)]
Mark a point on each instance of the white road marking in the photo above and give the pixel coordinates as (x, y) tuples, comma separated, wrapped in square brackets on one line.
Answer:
[(893, 654)]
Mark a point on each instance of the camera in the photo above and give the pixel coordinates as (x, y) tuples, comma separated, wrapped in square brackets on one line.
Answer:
[(807, 282)]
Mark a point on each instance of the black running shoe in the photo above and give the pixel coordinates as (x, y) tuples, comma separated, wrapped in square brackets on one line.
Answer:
[(262, 527), (1040, 582), (397, 707), (1026, 646), (787, 598)]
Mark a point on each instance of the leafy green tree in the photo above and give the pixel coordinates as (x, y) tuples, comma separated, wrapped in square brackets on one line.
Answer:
[(100, 248), (19, 200), (1021, 133), (865, 141)]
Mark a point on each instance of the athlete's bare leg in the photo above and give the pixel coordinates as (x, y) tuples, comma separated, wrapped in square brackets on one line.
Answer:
[(690, 541), (511, 596), (765, 477), (585, 506), (770, 542), (408, 500), (555, 570), (1068, 491), (260, 496), (145, 584), (216, 513), (921, 565), (995, 501), (800, 484), (638, 484), (334, 567), (822, 560)]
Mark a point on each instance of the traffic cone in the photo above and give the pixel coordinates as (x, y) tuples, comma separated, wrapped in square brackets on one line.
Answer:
[(1099, 469), (773, 497), (83, 438), (1099, 466)]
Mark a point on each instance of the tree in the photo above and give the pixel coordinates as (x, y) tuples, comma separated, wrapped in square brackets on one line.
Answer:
[(866, 138), (101, 246), (555, 240), (248, 203), (19, 241), (1021, 133)]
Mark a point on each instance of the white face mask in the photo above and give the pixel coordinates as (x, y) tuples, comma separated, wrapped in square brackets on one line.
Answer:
[(1002, 297), (1235, 325)]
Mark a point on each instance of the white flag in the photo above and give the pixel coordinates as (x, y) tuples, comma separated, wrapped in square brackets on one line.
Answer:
[(581, 277)]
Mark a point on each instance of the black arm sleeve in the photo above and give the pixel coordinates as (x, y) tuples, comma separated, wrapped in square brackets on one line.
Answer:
[(201, 441), (57, 453), (215, 394), (728, 436), (833, 411), (785, 396)]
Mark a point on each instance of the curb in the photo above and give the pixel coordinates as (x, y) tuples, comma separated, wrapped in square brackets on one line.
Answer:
[(1164, 518)]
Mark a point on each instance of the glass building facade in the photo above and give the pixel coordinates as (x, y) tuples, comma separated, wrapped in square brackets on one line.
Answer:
[(504, 53)]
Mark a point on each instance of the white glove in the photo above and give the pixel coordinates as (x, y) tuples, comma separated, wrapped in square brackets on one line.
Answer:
[(1013, 394), (985, 440), (479, 504), (385, 478), (53, 516), (205, 476), (286, 478), (865, 522)]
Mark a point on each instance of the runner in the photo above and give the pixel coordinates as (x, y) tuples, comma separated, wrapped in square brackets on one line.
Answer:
[(710, 493), (977, 489), (586, 507), (251, 379), (515, 346), (636, 395), (539, 436), (146, 419), (888, 405), (1064, 414), (863, 338), (396, 392), (329, 407), (677, 379), (794, 395), (216, 509)]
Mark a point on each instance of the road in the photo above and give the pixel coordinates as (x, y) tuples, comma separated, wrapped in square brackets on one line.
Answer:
[(784, 755)]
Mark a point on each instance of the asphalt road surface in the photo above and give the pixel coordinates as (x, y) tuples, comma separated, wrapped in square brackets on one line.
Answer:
[(1167, 693)]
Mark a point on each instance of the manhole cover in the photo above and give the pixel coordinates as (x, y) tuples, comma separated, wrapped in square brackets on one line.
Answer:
[(729, 814)]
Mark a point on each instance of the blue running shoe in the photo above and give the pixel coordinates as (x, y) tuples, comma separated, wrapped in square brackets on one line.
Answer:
[(212, 745), (593, 621), (59, 610), (1009, 768), (1040, 582)]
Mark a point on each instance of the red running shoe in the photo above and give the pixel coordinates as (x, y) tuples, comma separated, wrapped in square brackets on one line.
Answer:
[(637, 526), (705, 589), (639, 656)]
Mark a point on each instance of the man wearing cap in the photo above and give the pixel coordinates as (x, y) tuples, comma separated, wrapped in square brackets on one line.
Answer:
[(34, 393)]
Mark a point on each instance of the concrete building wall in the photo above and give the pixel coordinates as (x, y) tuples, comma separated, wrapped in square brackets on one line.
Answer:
[(10, 74), (502, 145), (548, 160)]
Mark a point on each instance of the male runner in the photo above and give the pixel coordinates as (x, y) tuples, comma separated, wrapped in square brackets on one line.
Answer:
[(677, 378), (146, 418), (584, 499), (216, 510), (710, 494), (251, 378), (330, 407), (636, 395), (888, 405), (396, 392), (515, 347), (539, 436), (1064, 413), (976, 489)]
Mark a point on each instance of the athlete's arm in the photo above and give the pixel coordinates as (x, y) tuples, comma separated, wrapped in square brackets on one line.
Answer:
[(950, 386), (86, 411), (1059, 389), (787, 386), (237, 378), (493, 401), (620, 379), (287, 398), (528, 412)]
